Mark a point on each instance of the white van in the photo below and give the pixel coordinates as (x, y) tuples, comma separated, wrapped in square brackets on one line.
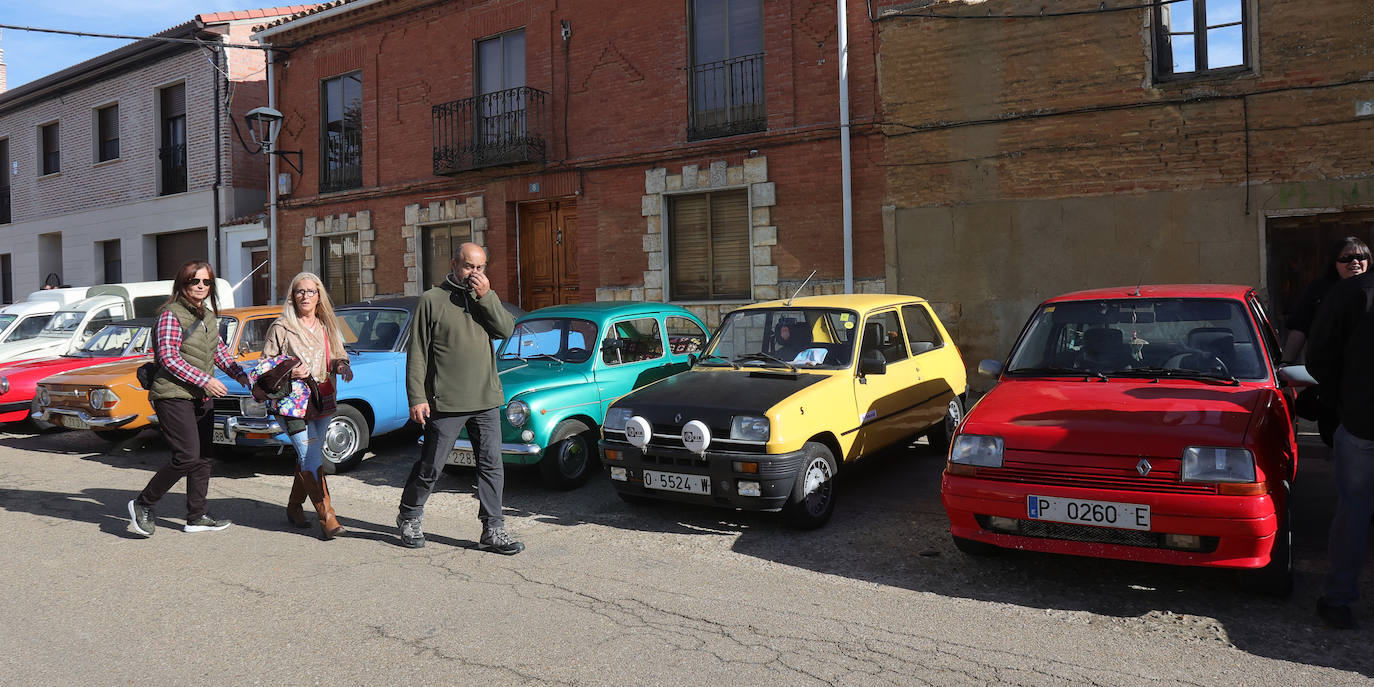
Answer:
[(70, 326), (23, 320)]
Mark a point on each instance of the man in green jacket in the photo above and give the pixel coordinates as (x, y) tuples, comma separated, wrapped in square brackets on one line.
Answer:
[(452, 384)]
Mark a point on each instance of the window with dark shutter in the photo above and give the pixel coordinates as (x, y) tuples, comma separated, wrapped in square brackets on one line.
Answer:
[(172, 151), (50, 152), (708, 246), (341, 132), (107, 133), (339, 258), (437, 247)]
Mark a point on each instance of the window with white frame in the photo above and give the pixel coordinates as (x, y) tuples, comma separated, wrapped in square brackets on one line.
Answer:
[(1199, 38)]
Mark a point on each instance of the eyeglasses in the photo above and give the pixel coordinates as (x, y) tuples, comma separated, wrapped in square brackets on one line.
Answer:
[(1347, 259), (307, 292), (204, 282)]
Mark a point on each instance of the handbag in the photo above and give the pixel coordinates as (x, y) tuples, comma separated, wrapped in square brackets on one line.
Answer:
[(147, 371)]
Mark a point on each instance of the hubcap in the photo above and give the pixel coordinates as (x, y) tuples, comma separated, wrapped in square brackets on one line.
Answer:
[(953, 415), (573, 456), (817, 486), (340, 440)]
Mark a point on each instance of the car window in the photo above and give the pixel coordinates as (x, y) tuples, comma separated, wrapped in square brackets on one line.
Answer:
[(630, 341), (113, 340), (254, 335), (684, 335), (227, 327), (883, 335), (920, 329), (1271, 338), (564, 338), (28, 327), (802, 337), (371, 329), (101, 318)]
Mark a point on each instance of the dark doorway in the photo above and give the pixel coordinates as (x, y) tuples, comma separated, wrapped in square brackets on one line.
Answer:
[(174, 249), (1299, 250)]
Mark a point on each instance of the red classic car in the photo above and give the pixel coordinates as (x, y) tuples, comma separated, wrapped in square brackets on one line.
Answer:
[(119, 341), (1147, 424)]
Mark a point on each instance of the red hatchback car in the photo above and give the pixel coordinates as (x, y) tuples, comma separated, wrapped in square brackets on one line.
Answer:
[(1146, 424)]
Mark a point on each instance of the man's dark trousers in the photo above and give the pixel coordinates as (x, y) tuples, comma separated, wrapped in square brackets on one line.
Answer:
[(484, 429)]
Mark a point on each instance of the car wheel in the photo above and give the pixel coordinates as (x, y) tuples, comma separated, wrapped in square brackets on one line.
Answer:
[(940, 435), (346, 439), (570, 457), (813, 496), (1275, 579), (974, 547), (116, 435)]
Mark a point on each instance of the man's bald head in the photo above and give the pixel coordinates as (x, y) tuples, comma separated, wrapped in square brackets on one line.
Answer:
[(469, 259)]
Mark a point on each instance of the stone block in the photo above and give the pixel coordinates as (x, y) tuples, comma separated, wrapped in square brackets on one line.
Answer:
[(649, 206), (760, 217), (653, 279), (703, 179), (622, 294), (451, 208), (762, 255), (603, 294), (410, 245), (653, 243), (369, 290), (656, 180), (765, 236), (424, 215), (734, 176), (407, 259), (636, 294), (716, 176), (407, 230), (653, 295), (436, 211), (656, 260), (368, 262), (689, 176), (763, 195), (307, 241), (310, 226), (364, 220), (411, 289), (766, 292), (367, 235), (412, 214), (364, 248), (413, 274), (766, 274), (674, 182), (476, 207), (755, 170), (478, 225), (653, 224)]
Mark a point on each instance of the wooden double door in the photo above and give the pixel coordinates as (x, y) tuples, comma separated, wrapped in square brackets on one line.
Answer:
[(548, 254)]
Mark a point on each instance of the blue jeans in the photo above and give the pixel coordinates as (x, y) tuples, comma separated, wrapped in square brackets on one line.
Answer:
[(310, 444), (1353, 469)]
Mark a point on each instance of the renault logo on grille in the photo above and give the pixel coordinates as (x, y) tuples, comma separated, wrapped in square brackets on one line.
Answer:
[(677, 419), (1143, 467)]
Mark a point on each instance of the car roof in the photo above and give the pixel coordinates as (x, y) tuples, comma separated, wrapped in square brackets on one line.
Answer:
[(601, 309), (1233, 291), (403, 302), (149, 322), (855, 301)]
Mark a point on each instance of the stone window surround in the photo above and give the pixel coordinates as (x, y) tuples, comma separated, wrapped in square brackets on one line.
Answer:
[(471, 210), (338, 225)]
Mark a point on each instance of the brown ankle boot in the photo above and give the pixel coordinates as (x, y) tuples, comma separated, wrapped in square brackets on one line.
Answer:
[(319, 495), (294, 512)]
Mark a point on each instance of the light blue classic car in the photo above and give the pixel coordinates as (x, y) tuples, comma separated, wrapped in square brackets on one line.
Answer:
[(565, 364)]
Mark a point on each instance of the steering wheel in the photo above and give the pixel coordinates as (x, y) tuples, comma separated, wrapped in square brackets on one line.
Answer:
[(1176, 361)]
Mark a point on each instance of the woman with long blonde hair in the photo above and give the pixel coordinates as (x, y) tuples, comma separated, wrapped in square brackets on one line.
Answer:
[(309, 332)]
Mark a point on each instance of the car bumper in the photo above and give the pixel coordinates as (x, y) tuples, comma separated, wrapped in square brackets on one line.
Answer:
[(75, 419), (1234, 531), (250, 431), (15, 411), (518, 454), (776, 476)]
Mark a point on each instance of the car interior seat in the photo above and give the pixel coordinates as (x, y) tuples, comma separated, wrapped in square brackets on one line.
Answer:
[(385, 334), (1104, 348), (873, 341), (1219, 342)]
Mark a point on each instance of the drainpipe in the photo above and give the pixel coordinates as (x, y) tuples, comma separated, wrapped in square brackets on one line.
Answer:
[(272, 189), (216, 260), (848, 210)]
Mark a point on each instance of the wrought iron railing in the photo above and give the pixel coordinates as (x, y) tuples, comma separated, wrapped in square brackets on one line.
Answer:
[(173, 161), (4, 205), (501, 128), (726, 98), (342, 166)]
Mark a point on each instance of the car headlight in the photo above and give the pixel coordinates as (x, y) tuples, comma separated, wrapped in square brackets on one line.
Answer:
[(4, 385), (977, 449), (1213, 464), (749, 428), (102, 399), (43, 398), (517, 412), (252, 407), (617, 417)]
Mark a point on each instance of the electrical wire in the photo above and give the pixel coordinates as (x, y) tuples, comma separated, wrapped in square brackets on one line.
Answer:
[(1101, 9), (164, 39)]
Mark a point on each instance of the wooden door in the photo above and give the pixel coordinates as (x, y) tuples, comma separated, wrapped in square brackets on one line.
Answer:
[(548, 255)]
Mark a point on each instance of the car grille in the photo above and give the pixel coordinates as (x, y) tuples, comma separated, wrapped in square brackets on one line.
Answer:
[(227, 405), (675, 461), (68, 396), (1163, 476), (1040, 529), (670, 437)]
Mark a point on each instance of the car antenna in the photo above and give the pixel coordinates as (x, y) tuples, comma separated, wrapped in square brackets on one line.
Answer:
[(799, 288)]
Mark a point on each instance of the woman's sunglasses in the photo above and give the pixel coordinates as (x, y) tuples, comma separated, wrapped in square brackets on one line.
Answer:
[(205, 282), (1347, 259)]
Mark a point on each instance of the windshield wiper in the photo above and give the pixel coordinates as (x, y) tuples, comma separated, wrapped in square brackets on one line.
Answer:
[(545, 356), (761, 356), (712, 356), (1049, 371), (1179, 373)]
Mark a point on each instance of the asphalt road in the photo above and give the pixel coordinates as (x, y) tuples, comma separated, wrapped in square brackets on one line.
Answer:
[(606, 594)]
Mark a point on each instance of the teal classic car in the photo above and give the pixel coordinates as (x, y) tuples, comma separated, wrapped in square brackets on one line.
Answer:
[(565, 364)]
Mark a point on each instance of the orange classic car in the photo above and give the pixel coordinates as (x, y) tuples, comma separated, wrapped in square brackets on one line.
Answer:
[(70, 399)]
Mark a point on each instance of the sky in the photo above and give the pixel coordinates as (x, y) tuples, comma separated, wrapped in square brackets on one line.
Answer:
[(30, 55)]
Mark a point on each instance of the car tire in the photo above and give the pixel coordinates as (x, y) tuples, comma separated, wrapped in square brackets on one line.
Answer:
[(974, 547), (570, 456), (346, 439), (1276, 578), (940, 435), (115, 436), (812, 500)]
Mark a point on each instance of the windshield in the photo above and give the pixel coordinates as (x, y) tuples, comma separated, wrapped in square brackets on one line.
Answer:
[(372, 329), (6, 321), (1141, 337), (812, 337), (567, 339), (63, 322), (28, 327), (113, 341)]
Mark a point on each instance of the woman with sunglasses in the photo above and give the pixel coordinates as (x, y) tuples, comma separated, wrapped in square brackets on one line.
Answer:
[(1348, 257), (309, 332), (188, 348)]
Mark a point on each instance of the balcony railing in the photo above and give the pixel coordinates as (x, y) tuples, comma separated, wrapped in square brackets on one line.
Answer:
[(501, 128), (4, 205), (173, 161), (342, 167), (726, 98)]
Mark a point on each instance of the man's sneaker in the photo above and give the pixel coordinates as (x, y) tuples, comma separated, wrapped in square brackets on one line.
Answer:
[(498, 541), (141, 517), (1336, 617), (412, 536), (206, 523)]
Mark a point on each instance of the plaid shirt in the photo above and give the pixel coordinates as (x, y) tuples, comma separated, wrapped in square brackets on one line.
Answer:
[(168, 347)]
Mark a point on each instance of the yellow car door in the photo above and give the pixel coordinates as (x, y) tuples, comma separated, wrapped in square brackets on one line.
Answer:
[(887, 402), (937, 364)]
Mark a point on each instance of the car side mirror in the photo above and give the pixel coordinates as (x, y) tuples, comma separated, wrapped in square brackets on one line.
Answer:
[(990, 368), (691, 360), (1296, 376), (872, 364)]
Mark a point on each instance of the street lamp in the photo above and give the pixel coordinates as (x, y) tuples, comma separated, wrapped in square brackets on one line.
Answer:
[(264, 123)]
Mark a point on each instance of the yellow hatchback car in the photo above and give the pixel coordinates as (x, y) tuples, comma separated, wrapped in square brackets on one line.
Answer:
[(108, 399), (783, 395)]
